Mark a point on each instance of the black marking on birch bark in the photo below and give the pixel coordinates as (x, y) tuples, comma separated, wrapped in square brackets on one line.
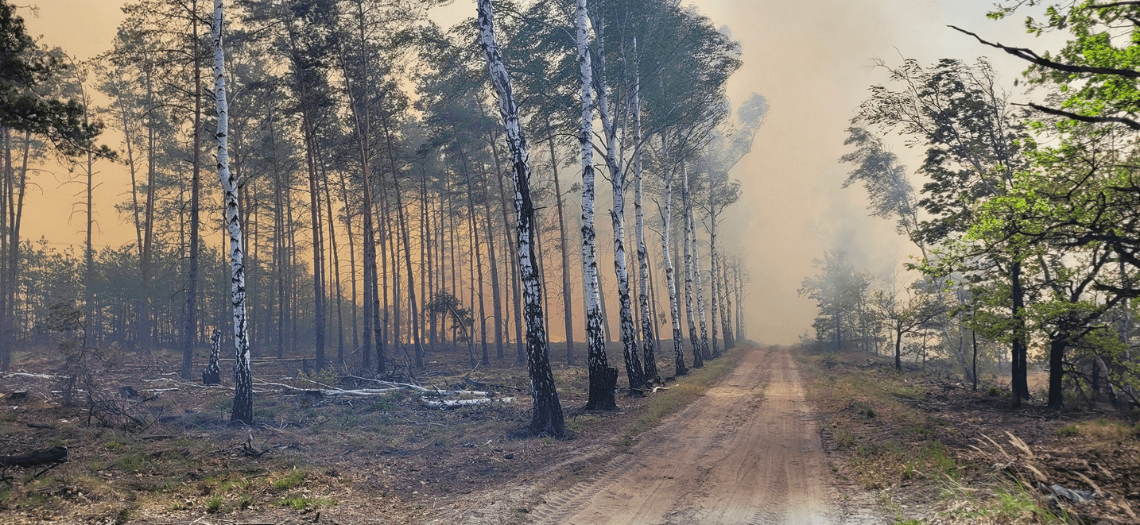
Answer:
[(546, 417), (243, 382)]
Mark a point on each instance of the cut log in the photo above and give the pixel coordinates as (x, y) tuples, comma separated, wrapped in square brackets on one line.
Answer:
[(48, 456)]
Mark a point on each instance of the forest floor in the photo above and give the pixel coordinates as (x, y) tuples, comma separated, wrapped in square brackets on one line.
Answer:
[(762, 435), (931, 450), (170, 455)]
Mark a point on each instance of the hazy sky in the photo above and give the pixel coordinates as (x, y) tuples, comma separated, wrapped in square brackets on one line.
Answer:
[(812, 60)]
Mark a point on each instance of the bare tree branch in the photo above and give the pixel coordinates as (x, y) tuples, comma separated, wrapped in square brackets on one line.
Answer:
[(1029, 55), (1083, 118)]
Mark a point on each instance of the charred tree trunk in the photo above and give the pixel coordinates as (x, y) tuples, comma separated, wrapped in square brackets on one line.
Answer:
[(212, 375), (1018, 364), (602, 387), (516, 293), (634, 372), (496, 301), (546, 417)]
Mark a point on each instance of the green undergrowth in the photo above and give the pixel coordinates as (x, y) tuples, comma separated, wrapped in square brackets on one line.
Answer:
[(878, 422), (873, 422), (686, 390)]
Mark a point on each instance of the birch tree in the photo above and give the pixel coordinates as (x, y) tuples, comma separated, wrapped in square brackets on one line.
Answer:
[(546, 416), (243, 379), (617, 213), (602, 377), (647, 333), (687, 247), (723, 153)]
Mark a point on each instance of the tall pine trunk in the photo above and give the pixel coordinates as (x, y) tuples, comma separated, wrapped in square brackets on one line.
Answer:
[(567, 299), (496, 300), (191, 320)]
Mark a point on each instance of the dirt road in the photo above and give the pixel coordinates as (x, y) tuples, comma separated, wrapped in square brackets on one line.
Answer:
[(746, 452)]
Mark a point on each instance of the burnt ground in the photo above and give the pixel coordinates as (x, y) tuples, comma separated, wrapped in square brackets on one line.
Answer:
[(171, 456), (932, 449)]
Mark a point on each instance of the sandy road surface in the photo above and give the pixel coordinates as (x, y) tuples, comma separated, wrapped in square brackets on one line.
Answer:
[(748, 452)]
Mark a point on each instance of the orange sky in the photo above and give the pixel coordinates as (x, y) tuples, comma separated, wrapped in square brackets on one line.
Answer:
[(810, 59)]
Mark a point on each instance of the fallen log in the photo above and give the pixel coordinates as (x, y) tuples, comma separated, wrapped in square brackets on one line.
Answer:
[(456, 403), (47, 456)]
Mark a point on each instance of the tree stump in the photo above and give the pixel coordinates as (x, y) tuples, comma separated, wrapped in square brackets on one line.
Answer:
[(212, 375)]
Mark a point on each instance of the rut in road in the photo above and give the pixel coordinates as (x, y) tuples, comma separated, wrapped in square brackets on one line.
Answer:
[(748, 451)]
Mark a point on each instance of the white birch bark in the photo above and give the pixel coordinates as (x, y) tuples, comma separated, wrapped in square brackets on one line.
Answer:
[(601, 393), (741, 335), (687, 247), (546, 417), (670, 275), (243, 378), (714, 288), (697, 284), (617, 216), (726, 307), (648, 340)]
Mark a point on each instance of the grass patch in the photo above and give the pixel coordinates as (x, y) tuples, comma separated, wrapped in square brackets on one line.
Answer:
[(1014, 502), (214, 504), (578, 423), (301, 503), (874, 423), (292, 480), (683, 392), (131, 462), (1100, 430)]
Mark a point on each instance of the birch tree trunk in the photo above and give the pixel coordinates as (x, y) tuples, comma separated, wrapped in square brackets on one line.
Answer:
[(687, 245), (648, 341), (726, 307), (670, 275), (546, 416), (714, 289), (617, 218), (697, 284), (601, 396), (739, 289), (243, 379)]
